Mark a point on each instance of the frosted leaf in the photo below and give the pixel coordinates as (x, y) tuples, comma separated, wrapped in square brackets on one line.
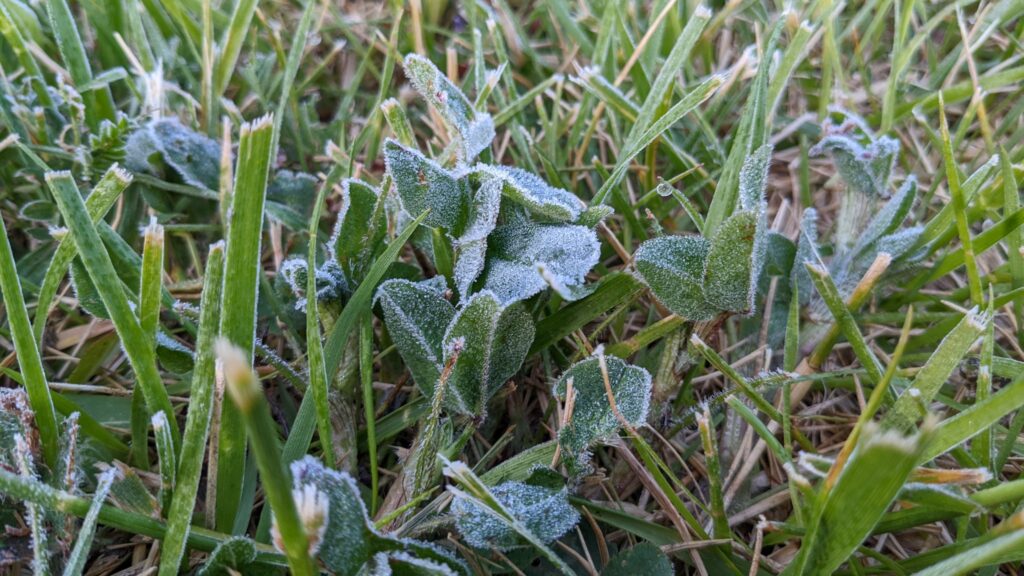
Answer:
[(350, 539), (864, 161), (593, 215), (422, 183), (543, 201), (732, 264), (806, 251), (900, 244), (471, 247), (290, 197), (85, 291), (889, 218), (494, 340), (193, 156), (405, 564), (644, 558), (673, 267), (475, 129), (330, 281), (593, 419), (516, 249), (232, 556), (754, 179), (360, 229), (568, 293), (538, 506), (417, 315), (778, 255), (174, 356)]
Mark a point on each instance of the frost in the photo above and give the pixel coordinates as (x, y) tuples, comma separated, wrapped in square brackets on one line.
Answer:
[(232, 556), (593, 215), (475, 129), (423, 184), (543, 201), (673, 268), (405, 564), (417, 316), (889, 218), (360, 229), (537, 505), (350, 539), (495, 340), (516, 249), (192, 155), (593, 419), (330, 281), (471, 247), (732, 263), (806, 251), (864, 161), (644, 558)]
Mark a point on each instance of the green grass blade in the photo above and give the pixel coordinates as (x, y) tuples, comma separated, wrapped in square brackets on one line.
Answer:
[(150, 292), (959, 203), (83, 541), (100, 200), (291, 69), (101, 270), (231, 44), (314, 345), (197, 426), (29, 360), (996, 551), (168, 461), (238, 303), (245, 390), (99, 104)]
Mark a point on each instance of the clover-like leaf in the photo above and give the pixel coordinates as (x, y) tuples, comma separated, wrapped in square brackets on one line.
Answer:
[(491, 341), (889, 218), (360, 229), (424, 184), (673, 268), (405, 564), (519, 250), (864, 161), (644, 558), (734, 263), (593, 215), (471, 246), (806, 251), (593, 418), (417, 316), (543, 201), (233, 556), (290, 197), (475, 129), (195, 157), (331, 285), (350, 539), (538, 504)]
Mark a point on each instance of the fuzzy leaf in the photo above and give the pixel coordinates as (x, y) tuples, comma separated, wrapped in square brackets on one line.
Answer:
[(471, 246), (417, 316), (864, 161), (193, 156), (593, 419), (330, 281), (360, 229), (543, 201), (476, 129), (405, 564), (806, 251), (731, 264), (672, 267), (593, 215), (290, 197), (232, 556), (516, 249), (644, 558), (542, 508), (493, 341), (422, 183), (889, 218)]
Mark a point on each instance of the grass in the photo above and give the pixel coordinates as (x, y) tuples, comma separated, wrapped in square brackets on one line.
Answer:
[(198, 217)]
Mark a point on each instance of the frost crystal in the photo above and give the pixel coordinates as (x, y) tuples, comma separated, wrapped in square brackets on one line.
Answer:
[(360, 229), (330, 281), (543, 201), (673, 268), (193, 156), (593, 418), (471, 247)]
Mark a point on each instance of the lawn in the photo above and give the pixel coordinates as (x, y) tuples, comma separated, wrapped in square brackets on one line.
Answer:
[(511, 287)]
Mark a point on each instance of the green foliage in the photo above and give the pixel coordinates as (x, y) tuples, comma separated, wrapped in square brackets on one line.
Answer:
[(644, 558)]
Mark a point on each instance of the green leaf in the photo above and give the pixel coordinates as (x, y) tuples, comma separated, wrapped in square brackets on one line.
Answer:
[(544, 202), (673, 268), (490, 341), (232, 556), (475, 129), (423, 184), (644, 558), (593, 418), (471, 246), (360, 229), (417, 316), (541, 507), (194, 157), (83, 540)]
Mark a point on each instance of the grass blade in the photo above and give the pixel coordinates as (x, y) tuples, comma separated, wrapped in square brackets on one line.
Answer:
[(238, 304), (99, 104), (197, 426), (83, 542)]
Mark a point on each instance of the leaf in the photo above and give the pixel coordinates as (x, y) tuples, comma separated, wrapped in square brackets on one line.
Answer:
[(644, 558), (405, 564), (864, 161), (331, 285), (193, 156), (476, 129), (471, 246), (593, 215), (290, 197), (232, 556), (491, 341), (518, 248), (806, 251), (417, 316), (423, 184), (360, 229), (593, 419), (889, 218), (673, 267), (540, 507), (544, 202)]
